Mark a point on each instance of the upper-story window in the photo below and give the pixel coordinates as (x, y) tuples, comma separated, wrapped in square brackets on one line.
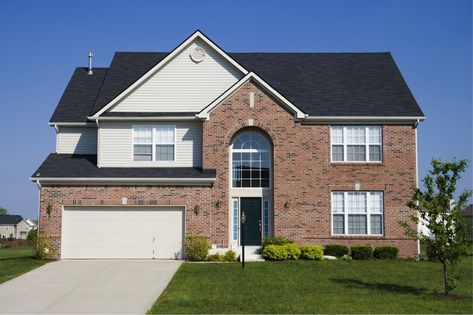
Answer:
[(251, 160), (356, 143), (154, 143)]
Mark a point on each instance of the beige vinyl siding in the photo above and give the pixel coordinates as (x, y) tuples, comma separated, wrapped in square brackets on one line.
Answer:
[(76, 140), (182, 85), (116, 145)]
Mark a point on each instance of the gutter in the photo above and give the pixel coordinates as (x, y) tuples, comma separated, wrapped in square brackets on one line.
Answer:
[(156, 118), (38, 183), (118, 180), (377, 119)]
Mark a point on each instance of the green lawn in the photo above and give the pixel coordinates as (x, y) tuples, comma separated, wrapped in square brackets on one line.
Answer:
[(16, 261), (314, 287)]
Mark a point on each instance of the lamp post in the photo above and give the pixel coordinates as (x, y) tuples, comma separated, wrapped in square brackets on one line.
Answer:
[(243, 220)]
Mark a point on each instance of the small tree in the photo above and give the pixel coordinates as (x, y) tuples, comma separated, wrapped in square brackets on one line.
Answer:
[(441, 213), (3, 211)]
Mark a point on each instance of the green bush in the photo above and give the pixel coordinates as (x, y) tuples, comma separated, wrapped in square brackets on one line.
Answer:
[(432, 255), (42, 247), (346, 258), (312, 252), (336, 250), (280, 240), (275, 252), (196, 247), (385, 252), (361, 252), (230, 256), (215, 257), (32, 234), (293, 251)]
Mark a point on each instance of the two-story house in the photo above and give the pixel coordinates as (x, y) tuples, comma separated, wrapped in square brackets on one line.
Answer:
[(318, 147)]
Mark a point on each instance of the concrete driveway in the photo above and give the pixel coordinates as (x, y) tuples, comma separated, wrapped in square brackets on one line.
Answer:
[(88, 287)]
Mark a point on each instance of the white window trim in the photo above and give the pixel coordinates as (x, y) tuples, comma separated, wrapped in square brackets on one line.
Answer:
[(366, 144), (345, 214), (153, 143), (252, 151)]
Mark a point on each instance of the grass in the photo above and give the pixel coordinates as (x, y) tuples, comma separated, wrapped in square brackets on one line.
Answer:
[(16, 261), (398, 286)]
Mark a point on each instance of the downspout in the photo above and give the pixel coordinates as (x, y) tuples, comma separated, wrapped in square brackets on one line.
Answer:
[(39, 203), (416, 125)]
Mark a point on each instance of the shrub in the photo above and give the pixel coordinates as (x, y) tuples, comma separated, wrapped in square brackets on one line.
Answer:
[(215, 257), (280, 240), (275, 252), (196, 247), (293, 251), (32, 234), (42, 247), (386, 252), (361, 252), (230, 256), (430, 251), (346, 258), (336, 250), (312, 252)]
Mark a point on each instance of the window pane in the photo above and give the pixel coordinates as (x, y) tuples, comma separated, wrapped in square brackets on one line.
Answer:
[(356, 224), (376, 202), (337, 135), (235, 218), (356, 202), (375, 135), (142, 152), (142, 135), (376, 224), (266, 217), (337, 153), (338, 202), (165, 152), (338, 224), (356, 135), (375, 153), (356, 153), (165, 135)]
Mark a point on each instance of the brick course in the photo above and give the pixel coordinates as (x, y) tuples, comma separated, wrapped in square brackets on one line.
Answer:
[(303, 178)]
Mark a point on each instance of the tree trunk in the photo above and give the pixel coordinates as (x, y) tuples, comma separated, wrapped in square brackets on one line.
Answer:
[(445, 278)]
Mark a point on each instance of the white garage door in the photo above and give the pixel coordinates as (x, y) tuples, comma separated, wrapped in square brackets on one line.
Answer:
[(122, 232)]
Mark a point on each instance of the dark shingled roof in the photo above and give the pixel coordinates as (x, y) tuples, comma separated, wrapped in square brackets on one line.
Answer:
[(79, 96), (320, 84), (69, 165), (9, 219)]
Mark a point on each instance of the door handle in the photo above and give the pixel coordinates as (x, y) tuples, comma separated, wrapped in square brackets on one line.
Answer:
[(260, 225)]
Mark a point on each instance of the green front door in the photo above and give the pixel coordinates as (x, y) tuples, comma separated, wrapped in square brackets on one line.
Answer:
[(251, 207)]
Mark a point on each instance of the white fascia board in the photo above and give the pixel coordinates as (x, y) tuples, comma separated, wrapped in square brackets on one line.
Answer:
[(129, 180), (362, 119), (163, 62), (157, 118), (71, 124), (251, 75)]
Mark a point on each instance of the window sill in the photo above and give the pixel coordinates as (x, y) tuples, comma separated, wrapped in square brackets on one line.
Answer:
[(357, 163), (357, 236)]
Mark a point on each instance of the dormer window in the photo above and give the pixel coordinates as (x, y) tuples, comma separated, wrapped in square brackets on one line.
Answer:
[(154, 143)]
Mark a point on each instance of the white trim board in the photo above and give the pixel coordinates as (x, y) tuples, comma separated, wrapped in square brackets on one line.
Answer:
[(163, 62), (204, 114)]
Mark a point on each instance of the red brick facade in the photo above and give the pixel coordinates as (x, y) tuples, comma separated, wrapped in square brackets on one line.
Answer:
[(303, 178)]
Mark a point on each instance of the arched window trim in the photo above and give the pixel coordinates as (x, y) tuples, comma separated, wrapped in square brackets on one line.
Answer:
[(256, 172)]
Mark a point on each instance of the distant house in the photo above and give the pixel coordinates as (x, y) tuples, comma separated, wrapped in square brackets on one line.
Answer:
[(467, 214), (14, 226)]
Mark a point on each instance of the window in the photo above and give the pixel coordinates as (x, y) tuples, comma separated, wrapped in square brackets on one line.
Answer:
[(357, 213), (251, 160), (154, 143), (356, 144), (235, 218), (266, 217)]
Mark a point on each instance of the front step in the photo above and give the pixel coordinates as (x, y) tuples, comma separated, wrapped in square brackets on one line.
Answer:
[(252, 253)]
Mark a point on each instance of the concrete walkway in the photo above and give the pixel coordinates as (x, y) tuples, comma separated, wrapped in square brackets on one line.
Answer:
[(88, 287)]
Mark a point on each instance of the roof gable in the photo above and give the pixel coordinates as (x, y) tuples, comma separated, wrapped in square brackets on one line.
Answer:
[(184, 45)]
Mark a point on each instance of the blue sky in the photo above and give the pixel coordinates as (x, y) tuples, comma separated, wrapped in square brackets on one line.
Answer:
[(43, 41)]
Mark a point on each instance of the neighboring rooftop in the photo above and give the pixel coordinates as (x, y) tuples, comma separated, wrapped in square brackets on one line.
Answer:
[(320, 84), (10, 219)]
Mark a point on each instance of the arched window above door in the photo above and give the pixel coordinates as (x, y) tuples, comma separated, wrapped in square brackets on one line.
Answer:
[(251, 160)]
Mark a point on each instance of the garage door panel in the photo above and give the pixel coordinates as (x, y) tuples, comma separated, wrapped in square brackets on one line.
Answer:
[(126, 232)]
